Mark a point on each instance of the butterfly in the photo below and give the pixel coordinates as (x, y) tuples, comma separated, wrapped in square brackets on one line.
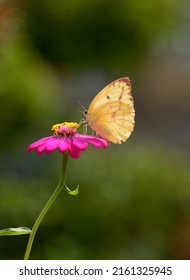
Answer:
[(111, 113)]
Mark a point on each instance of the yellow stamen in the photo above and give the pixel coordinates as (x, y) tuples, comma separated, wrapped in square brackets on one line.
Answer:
[(55, 127)]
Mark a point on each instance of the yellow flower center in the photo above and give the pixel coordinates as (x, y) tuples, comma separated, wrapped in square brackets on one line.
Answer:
[(65, 128)]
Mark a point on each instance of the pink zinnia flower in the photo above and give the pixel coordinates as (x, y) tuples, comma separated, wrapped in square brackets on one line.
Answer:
[(66, 139)]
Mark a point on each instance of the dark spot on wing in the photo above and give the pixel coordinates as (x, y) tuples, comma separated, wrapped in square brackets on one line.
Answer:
[(107, 96), (113, 115)]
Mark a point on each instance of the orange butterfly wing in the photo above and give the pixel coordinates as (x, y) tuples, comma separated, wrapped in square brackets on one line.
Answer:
[(111, 113)]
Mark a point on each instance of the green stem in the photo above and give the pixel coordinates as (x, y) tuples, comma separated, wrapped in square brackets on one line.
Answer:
[(48, 204)]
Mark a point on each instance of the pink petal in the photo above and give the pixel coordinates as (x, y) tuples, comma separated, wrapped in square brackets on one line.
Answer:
[(75, 154), (75, 144), (74, 151), (41, 149), (96, 141), (51, 145), (80, 144), (63, 145), (38, 143)]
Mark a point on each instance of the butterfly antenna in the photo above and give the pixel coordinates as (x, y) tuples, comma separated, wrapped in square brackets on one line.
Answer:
[(84, 109)]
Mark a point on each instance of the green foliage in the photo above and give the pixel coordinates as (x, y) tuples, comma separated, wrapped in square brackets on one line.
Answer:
[(127, 207), (109, 33), (15, 231), (134, 200), (74, 192), (26, 93)]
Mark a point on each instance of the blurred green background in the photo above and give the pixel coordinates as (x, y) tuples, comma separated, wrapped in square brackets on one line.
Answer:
[(134, 198)]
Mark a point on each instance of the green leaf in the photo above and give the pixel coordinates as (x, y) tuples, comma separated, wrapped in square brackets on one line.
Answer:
[(74, 192), (15, 231)]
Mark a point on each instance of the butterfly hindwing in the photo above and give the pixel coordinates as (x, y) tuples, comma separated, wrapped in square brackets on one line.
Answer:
[(111, 113)]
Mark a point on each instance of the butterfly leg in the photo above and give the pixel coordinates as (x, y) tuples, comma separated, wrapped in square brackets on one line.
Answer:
[(82, 121), (85, 125), (85, 128), (93, 132)]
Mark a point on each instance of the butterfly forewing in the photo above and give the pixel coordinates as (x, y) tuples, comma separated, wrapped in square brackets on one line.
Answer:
[(111, 113)]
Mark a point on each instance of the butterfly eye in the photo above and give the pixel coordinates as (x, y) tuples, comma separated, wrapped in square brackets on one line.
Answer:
[(85, 112)]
